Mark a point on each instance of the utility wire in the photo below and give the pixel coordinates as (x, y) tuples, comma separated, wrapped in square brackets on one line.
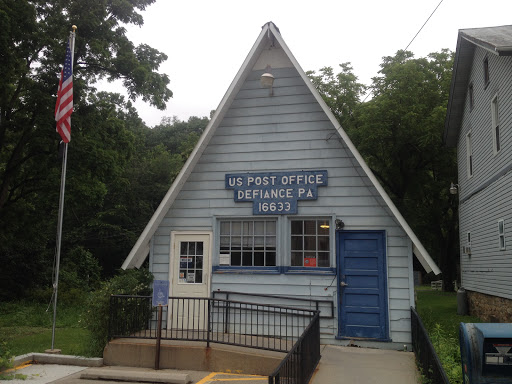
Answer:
[(423, 25), (416, 35)]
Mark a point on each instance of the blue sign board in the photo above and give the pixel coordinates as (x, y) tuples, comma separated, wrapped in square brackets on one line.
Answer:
[(276, 193), (160, 292)]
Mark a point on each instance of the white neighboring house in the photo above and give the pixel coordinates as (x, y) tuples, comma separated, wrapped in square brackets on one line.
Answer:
[(479, 124), (275, 199)]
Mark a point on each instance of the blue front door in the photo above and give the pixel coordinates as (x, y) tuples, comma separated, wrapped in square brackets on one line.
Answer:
[(362, 288)]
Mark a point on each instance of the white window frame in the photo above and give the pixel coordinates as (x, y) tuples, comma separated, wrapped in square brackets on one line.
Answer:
[(329, 221), (469, 155), (501, 235), (495, 128), (251, 242)]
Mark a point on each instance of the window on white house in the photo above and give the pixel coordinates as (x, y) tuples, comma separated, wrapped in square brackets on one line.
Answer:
[(486, 71), (471, 97), (310, 243), (469, 154), (250, 243), (495, 125), (501, 234)]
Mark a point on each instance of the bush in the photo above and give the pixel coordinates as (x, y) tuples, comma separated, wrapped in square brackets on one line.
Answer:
[(5, 356), (448, 350), (96, 317)]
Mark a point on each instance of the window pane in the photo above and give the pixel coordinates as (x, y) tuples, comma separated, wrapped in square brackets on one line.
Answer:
[(199, 276), (259, 241), (271, 259), (198, 262), (224, 228), (310, 227), (500, 227), (236, 228), (247, 258), (224, 242), (323, 243), (297, 243), (270, 228), (248, 242), (191, 248), (199, 248), (183, 248), (296, 259), (271, 242), (259, 228), (236, 258), (310, 243), (248, 228), (259, 259), (323, 259), (236, 241), (323, 227), (297, 228)]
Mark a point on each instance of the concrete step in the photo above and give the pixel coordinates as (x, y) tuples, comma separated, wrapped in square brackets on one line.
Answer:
[(136, 376)]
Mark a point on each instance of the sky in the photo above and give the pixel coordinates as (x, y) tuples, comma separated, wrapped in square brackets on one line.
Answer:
[(206, 41)]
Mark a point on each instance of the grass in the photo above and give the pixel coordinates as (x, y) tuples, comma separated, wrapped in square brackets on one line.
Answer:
[(27, 327), (438, 312), (436, 307)]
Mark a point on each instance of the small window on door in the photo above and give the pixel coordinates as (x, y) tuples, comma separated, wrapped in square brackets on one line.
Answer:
[(310, 243), (249, 243), (191, 262)]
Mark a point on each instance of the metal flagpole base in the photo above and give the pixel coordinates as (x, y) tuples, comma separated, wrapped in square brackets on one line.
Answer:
[(53, 351)]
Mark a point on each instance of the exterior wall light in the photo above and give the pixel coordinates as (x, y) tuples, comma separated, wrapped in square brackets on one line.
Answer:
[(267, 80), (339, 224), (454, 189)]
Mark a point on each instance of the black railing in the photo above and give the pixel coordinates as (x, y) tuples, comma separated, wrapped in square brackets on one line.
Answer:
[(260, 326), (425, 352), (300, 363), (325, 307)]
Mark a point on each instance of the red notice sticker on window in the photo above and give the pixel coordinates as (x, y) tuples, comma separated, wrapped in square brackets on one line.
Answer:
[(310, 261)]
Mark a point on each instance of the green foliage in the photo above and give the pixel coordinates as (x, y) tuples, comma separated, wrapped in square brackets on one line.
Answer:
[(399, 133), (447, 348), (5, 356), (96, 318), (438, 312)]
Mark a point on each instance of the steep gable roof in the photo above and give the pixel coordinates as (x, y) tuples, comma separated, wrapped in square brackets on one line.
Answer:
[(269, 32), (496, 40)]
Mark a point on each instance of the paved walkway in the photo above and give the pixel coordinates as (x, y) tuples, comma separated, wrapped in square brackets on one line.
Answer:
[(338, 365)]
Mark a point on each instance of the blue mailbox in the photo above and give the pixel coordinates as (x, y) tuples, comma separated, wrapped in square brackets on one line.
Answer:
[(486, 353)]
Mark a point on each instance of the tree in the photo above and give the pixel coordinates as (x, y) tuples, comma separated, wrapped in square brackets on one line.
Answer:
[(341, 92), (32, 48), (399, 133)]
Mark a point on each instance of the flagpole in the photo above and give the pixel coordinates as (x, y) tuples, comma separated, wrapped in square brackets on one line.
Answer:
[(61, 215)]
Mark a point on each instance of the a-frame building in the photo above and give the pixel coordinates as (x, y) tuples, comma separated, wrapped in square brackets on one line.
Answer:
[(275, 199)]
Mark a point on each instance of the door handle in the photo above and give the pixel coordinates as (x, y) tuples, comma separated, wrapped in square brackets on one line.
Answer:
[(343, 284)]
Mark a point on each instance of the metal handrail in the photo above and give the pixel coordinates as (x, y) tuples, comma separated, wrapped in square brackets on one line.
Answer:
[(316, 301)]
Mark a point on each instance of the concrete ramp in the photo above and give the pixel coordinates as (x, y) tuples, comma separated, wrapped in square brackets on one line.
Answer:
[(193, 356)]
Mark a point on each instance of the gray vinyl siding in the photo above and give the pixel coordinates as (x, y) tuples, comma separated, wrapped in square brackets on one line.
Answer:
[(486, 197), (285, 132)]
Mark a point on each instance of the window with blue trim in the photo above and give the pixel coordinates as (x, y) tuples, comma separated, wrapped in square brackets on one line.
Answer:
[(310, 243), (250, 243)]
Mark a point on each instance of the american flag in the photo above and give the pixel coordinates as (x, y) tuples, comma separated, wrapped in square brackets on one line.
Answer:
[(64, 106)]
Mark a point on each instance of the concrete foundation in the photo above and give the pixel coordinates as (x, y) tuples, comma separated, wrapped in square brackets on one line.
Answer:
[(191, 356), (490, 309)]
